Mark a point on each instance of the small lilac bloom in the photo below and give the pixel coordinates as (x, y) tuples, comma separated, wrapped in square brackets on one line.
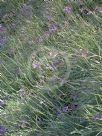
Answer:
[(78, 2), (49, 18), (2, 130), (26, 10), (56, 62), (69, 107), (97, 117), (3, 40), (52, 28), (46, 34), (22, 93), (34, 65), (67, 9), (65, 109), (2, 29), (39, 39)]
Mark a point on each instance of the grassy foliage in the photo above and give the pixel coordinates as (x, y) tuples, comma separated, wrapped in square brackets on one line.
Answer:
[(50, 68)]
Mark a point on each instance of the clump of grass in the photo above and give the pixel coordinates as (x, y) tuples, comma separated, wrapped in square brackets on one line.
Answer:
[(51, 69)]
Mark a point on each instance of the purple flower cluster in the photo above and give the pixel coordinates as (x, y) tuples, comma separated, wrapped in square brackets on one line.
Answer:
[(67, 108), (39, 39), (52, 28), (78, 2), (2, 130), (97, 117), (49, 18), (22, 93), (3, 40), (82, 9), (2, 29), (67, 9), (35, 65), (46, 34), (26, 10)]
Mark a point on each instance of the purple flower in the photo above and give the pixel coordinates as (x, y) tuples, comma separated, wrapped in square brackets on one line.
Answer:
[(2, 130), (67, 9), (97, 117), (46, 34), (26, 10), (3, 40), (69, 107), (2, 29), (39, 39), (65, 109), (52, 28), (22, 93), (49, 18), (78, 2), (34, 65)]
